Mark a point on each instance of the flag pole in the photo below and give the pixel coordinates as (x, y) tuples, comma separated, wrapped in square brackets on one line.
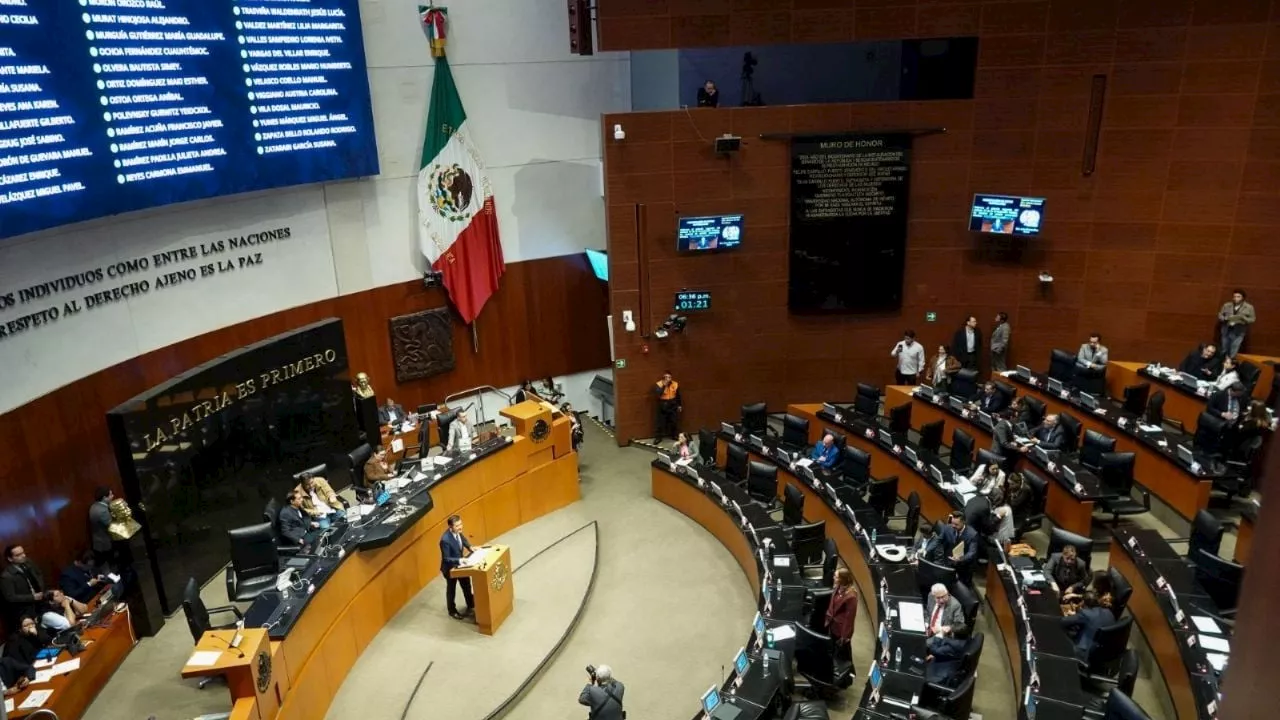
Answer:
[(475, 339)]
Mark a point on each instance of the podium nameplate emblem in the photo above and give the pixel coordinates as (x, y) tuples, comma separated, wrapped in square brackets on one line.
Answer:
[(499, 576), (541, 431), (264, 671)]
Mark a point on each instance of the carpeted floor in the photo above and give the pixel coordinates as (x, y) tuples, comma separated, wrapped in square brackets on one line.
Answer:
[(669, 609)]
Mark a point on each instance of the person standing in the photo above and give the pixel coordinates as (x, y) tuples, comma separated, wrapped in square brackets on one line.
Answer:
[(603, 694), (841, 612), (1000, 343), (910, 355), (1093, 354), (967, 344), (452, 546), (21, 585), (99, 522), (708, 95), (669, 407), (1235, 317), (942, 367)]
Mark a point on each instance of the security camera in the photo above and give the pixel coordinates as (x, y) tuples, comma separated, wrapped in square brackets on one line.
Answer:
[(618, 133)]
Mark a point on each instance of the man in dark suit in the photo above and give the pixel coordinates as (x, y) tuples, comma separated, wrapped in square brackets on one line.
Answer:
[(294, 524), (960, 543), (81, 580), (452, 545), (928, 545), (990, 400), (1003, 440), (21, 585), (966, 345), (1202, 362), (1050, 435), (1085, 624), (1228, 404), (99, 522), (389, 413)]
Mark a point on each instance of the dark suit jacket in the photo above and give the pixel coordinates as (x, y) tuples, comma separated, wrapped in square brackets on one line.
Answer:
[(1086, 623), (931, 549), (385, 418), (75, 583), (293, 524), (451, 551), (1002, 442), (20, 597), (1195, 364), (960, 345), (969, 536), (1220, 402), (99, 520), (1051, 438), (993, 403)]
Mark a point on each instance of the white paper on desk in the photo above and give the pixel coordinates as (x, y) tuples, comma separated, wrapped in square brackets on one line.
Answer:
[(1149, 428), (1033, 577), (43, 676), (441, 460), (476, 557), (684, 461), (8, 705), (804, 462), (47, 662), (964, 487), (966, 497), (113, 577), (1206, 625), (1009, 373), (204, 658), (1217, 660), (35, 699), (397, 445), (782, 561), (1217, 644), (911, 616), (63, 668), (783, 632)]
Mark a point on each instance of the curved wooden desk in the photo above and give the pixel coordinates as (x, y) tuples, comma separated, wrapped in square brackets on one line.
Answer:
[(494, 495)]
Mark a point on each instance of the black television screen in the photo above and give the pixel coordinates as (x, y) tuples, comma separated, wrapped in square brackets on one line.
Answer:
[(1006, 214), (714, 232)]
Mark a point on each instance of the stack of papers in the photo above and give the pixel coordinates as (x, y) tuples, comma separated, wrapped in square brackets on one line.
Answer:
[(805, 462), (204, 658), (441, 460), (1150, 428), (964, 487), (476, 557), (911, 616), (63, 668), (1215, 644), (782, 561), (42, 676)]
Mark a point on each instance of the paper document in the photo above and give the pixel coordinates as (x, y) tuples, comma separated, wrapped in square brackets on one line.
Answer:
[(63, 668), (204, 658), (441, 460), (1217, 644), (8, 705), (967, 496), (1149, 428), (43, 676), (783, 632), (35, 699), (964, 487), (782, 561), (397, 445), (1033, 577), (684, 461), (806, 462), (911, 616), (47, 662), (1206, 625), (1217, 660), (113, 577), (476, 557)]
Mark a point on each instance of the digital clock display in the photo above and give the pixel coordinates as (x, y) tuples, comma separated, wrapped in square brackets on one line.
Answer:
[(690, 300)]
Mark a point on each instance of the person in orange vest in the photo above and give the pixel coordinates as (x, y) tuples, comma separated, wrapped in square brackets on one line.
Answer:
[(668, 392)]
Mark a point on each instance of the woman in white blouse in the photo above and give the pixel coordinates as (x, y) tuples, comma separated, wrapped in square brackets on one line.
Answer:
[(1229, 375), (987, 478)]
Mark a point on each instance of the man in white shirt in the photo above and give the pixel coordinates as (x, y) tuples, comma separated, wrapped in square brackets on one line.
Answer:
[(910, 355), (459, 435)]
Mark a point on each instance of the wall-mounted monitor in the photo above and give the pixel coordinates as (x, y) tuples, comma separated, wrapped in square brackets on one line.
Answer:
[(714, 232), (1006, 214), (599, 263)]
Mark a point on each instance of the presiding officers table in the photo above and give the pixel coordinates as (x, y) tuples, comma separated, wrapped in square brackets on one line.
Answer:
[(369, 569)]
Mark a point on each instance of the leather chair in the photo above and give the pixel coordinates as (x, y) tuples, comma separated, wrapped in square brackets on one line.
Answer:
[(1206, 534), (1036, 410), (1091, 380), (792, 506), (830, 560), (882, 495), (1119, 705), (964, 384), (1072, 427), (1155, 409), (1100, 687), (967, 667), (1121, 591), (867, 401), (762, 483), (855, 466), (929, 573), (816, 663), (986, 457), (1210, 429), (1273, 397), (1136, 397), (931, 436), (808, 541), (271, 514), (1117, 475), (958, 703), (807, 710), (818, 600), (900, 420), (970, 604), (755, 419), (735, 463), (1248, 373), (255, 562), (795, 430), (961, 450), (1008, 391), (1062, 366), (355, 462), (840, 440), (443, 421), (1221, 581), (1034, 518), (1095, 444), (199, 619), (707, 447), (1109, 644), (1060, 538), (912, 519)]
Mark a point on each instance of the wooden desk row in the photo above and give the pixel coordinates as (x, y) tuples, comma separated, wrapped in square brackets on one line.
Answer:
[(74, 691), (495, 495), (1179, 404)]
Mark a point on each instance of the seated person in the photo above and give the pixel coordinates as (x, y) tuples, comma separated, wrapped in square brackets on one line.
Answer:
[(1086, 622), (459, 435), (1093, 354), (1229, 375), (294, 525), (960, 543), (943, 615), (17, 667), (1203, 363), (1065, 570), (389, 413), (987, 478), (825, 452), (1020, 413), (319, 501), (990, 400), (928, 545), (376, 468), (60, 612), (682, 447), (1100, 585), (81, 580), (1228, 404), (1050, 435), (1018, 493), (1005, 530)]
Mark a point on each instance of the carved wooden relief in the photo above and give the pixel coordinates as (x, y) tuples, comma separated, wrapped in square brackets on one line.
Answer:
[(422, 344)]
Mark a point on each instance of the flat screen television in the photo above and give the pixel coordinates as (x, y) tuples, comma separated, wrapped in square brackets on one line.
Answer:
[(1006, 214), (599, 263), (713, 232)]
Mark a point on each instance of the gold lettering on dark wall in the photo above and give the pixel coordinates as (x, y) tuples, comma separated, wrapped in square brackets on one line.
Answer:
[(201, 411)]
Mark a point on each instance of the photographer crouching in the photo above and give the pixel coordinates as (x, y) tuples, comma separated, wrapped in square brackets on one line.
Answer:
[(603, 695)]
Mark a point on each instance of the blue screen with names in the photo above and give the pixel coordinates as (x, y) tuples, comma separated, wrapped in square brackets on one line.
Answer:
[(108, 106)]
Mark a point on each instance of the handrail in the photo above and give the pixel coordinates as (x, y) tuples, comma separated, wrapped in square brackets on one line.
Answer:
[(479, 392)]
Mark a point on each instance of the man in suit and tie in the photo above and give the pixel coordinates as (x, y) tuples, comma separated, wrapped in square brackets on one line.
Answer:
[(966, 345), (960, 543), (1086, 623), (294, 524), (1050, 435), (990, 400), (391, 414), (944, 615), (1093, 354), (825, 452), (1228, 404), (452, 546), (99, 521), (1003, 438), (928, 545)]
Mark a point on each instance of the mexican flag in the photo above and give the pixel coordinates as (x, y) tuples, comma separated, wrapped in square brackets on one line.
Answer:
[(458, 225)]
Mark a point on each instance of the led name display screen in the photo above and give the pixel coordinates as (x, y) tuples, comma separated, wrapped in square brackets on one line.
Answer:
[(1006, 214), (692, 300), (716, 232), (108, 106)]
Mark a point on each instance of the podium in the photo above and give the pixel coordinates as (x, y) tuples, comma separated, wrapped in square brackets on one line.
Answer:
[(254, 671), (493, 584)]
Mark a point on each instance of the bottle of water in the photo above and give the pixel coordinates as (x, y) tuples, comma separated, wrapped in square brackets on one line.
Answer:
[(778, 586), (765, 655), (873, 536), (897, 659)]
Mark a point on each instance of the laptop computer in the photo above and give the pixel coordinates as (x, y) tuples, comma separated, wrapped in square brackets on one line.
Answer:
[(716, 708), (1189, 379)]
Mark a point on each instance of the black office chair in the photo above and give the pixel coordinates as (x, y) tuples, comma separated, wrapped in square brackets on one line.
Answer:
[(911, 521), (986, 457), (1091, 380), (792, 506), (807, 542), (1059, 538), (964, 384), (855, 466), (1117, 475), (900, 420), (1109, 644), (735, 463), (818, 600), (958, 703), (1273, 397), (443, 421), (1100, 687), (795, 430), (271, 514), (1121, 591), (1033, 519), (255, 562), (755, 419), (1095, 444), (1135, 397), (1209, 431), (1206, 534), (199, 617), (929, 573), (961, 450), (1120, 707), (1071, 427), (1221, 580), (830, 560), (840, 440), (1062, 366), (1155, 409), (1243, 469), (1248, 374), (707, 447), (867, 401), (355, 462), (931, 436), (970, 605), (1008, 391), (762, 483), (882, 495), (816, 663), (807, 710), (1036, 410)]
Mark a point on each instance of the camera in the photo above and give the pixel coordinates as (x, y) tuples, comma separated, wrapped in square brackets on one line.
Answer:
[(591, 670), (749, 63)]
